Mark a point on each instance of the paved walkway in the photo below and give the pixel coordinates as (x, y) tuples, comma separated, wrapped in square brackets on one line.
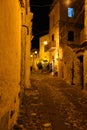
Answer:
[(52, 104)]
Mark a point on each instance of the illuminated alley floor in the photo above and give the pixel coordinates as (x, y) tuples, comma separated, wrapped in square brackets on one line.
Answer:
[(52, 104)]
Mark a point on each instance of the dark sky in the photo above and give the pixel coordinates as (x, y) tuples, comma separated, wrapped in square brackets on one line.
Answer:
[(40, 8)]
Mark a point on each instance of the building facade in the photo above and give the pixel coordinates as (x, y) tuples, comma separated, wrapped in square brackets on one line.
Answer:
[(43, 51), (68, 40), (11, 60), (26, 33), (34, 58)]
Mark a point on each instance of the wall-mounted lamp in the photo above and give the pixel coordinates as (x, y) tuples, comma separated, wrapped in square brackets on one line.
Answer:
[(45, 42), (35, 52), (31, 55), (67, 2)]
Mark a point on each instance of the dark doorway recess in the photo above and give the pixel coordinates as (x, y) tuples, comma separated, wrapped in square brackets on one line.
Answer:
[(81, 71)]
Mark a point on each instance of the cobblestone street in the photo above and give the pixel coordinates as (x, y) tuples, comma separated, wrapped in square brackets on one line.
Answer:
[(52, 104)]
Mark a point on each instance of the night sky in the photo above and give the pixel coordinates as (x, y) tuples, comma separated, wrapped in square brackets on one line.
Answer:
[(40, 9)]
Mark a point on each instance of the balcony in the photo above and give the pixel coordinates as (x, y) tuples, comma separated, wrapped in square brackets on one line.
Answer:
[(83, 36), (50, 46)]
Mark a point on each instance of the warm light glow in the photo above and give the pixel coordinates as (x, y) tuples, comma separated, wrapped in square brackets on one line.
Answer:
[(67, 2), (31, 55), (60, 53), (45, 42), (35, 52), (57, 56)]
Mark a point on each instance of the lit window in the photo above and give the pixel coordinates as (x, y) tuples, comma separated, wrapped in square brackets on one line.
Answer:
[(70, 12)]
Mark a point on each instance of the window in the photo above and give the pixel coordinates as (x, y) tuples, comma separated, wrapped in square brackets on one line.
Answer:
[(70, 12), (70, 36), (53, 37)]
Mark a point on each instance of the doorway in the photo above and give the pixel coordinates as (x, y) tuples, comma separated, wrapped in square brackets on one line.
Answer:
[(81, 71)]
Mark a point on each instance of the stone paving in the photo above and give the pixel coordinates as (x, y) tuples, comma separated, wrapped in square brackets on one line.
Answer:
[(52, 104), (32, 113)]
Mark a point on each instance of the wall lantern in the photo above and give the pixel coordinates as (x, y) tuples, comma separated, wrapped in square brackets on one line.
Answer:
[(67, 2), (35, 52), (45, 42), (31, 55)]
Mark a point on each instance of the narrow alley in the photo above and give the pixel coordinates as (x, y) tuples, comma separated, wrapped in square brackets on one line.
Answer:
[(52, 104), (42, 41)]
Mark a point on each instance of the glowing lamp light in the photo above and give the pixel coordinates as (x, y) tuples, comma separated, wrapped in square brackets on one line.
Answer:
[(67, 2), (35, 52), (45, 42), (31, 55)]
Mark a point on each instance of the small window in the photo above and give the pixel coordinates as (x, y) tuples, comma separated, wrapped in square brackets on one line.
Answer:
[(53, 37), (70, 36), (70, 12)]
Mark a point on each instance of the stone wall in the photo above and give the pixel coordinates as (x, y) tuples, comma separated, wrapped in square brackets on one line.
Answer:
[(42, 53), (85, 70), (74, 67), (67, 64), (10, 61)]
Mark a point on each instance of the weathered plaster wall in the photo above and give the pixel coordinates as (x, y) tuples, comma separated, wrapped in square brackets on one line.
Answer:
[(67, 66), (10, 61), (85, 70), (43, 54)]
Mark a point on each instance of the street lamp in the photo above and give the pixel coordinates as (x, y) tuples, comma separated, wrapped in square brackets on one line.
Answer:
[(31, 55), (35, 52), (45, 42)]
